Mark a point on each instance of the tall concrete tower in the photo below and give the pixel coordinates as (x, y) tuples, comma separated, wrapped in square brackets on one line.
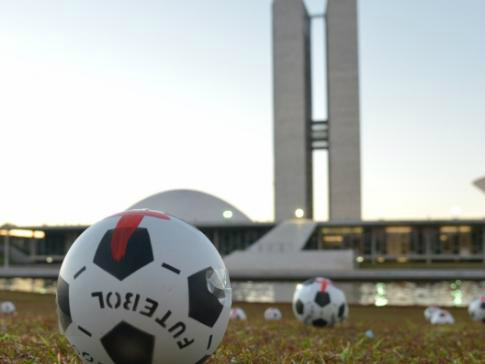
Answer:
[(296, 135), (343, 110), (292, 109)]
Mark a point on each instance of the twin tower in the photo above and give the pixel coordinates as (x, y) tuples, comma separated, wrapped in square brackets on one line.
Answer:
[(296, 134)]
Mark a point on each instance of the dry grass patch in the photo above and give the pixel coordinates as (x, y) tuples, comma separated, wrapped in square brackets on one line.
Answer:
[(401, 336)]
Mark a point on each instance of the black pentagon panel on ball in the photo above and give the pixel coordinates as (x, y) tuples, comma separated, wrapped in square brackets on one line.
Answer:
[(203, 359), (319, 323), (322, 299), (63, 305), (125, 344), (341, 311), (135, 255), (204, 306), (299, 307)]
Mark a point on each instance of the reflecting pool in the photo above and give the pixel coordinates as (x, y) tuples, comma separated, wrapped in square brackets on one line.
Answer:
[(444, 293)]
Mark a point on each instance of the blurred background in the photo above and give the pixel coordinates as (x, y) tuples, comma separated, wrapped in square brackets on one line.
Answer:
[(339, 138)]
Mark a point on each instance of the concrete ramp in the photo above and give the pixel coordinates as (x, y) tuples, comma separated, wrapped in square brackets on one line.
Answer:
[(247, 265), (17, 256), (279, 255), (287, 237)]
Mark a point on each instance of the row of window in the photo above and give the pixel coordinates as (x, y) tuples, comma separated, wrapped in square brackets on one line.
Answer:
[(394, 241), (399, 241)]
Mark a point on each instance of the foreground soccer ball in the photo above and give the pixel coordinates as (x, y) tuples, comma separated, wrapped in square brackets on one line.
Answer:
[(318, 302), (429, 311), (442, 317), (7, 308), (238, 314), (272, 313), (142, 287), (476, 309)]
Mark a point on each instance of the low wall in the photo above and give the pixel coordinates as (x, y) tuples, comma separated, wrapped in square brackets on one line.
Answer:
[(302, 264)]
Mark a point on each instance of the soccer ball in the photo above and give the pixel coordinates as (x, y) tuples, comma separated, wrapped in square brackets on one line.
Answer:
[(143, 287), (238, 314), (7, 308), (272, 313), (318, 302), (441, 317), (476, 309), (429, 311)]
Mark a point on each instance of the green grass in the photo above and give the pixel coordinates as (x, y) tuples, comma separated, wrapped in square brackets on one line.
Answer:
[(401, 336)]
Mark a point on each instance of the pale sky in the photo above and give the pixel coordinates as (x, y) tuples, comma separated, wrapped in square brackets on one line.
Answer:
[(103, 103)]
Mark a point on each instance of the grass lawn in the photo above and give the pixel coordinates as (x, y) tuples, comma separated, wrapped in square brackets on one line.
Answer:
[(401, 336)]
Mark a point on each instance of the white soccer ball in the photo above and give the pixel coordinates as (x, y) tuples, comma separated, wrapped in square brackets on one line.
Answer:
[(429, 311), (476, 309), (238, 313), (442, 317), (7, 308), (143, 287), (318, 302), (272, 313)]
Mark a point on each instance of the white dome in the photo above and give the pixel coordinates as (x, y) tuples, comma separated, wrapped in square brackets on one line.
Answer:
[(194, 207)]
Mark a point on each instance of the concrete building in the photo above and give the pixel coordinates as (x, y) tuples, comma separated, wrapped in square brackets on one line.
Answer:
[(343, 110), (296, 135), (288, 251), (297, 249), (292, 109), (294, 247)]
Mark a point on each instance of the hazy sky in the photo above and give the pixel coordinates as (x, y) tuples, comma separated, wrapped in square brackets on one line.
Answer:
[(103, 103)]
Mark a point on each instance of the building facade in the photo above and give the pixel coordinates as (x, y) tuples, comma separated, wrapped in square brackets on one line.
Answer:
[(293, 168), (373, 242), (296, 135), (343, 111)]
